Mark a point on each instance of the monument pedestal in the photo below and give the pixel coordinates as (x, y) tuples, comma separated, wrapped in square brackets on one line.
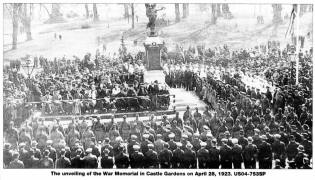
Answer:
[(153, 46)]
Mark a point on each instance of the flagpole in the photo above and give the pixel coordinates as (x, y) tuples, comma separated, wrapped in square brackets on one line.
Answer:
[(297, 40)]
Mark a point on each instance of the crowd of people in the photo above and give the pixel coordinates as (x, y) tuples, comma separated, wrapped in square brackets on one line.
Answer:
[(76, 87), (242, 126)]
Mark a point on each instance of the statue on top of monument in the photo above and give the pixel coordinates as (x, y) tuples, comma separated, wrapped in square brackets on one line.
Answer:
[(151, 13)]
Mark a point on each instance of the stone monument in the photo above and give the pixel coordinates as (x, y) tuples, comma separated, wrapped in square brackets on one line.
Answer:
[(153, 44)]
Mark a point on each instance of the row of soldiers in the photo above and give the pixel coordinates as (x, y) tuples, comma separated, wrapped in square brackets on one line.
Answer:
[(186, 153), (231, 141)]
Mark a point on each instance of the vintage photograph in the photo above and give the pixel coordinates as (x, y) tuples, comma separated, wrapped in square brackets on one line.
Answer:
[(157, 86)]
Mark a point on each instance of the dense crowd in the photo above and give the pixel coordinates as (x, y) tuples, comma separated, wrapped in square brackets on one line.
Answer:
[(242, 127), (75, 87)]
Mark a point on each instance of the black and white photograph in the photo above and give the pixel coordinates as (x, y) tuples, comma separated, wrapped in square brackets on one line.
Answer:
[(157, 85)]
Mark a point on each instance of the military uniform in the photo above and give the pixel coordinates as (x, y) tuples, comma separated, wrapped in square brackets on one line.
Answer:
[(90, 161), (151, 159), (265, 155), (189, 159), (107, 162), (165, 158), (62, 163), (203, 157), (249, 154), (226, 157), (178, 156)]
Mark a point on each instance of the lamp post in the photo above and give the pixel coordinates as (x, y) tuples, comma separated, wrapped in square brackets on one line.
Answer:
[(292, 57), (29, 68)]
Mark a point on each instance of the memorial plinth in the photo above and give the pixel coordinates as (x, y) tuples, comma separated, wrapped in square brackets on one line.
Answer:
[(153, 46)]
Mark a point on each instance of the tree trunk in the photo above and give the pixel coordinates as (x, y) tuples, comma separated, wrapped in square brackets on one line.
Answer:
[(213, 14), (27, 22), (133, 15), (96, 18), (177, 13), (87, 14), (184, 11), (187, 9), (15, 23), (219, 14), (126, 14)]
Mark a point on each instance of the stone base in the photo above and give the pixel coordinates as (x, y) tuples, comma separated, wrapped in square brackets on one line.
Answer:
[(151, 76)]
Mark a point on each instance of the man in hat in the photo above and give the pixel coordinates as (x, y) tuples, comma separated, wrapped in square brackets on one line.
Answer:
[(214, 155), (278, 148), (72, 137), (250, 154), (264, 154), (158, 144), (12, 135), (24, 155), (165, 157), (63, 162), (151, 157), (237, 156), (7, 155), (178, 156), (187, 114), (226, 155), (121, 159), (107, 161), (307, 144), (125, 129), (90, 161), (145, 142), (77, 160), (98, 129), (46, 161), (52, 151), (292, 148), (16, 163), (299, 157), (306, 163), (190, 160), (136, 158), (33, 161)]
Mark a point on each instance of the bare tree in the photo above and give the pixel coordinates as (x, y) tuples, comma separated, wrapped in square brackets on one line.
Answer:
[(277, 8), (25, 15), (14, 9), (177, 13), (87, 13), (213, 14), (184, 11), (133, 15), (96, 18), (126, 13)]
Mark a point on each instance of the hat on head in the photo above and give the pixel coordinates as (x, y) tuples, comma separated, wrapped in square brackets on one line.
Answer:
[(188, 145), (205, 127), (136, 147), (88, 150), (179, 144), (49, 142), (133, 137), (234, 141), (151, 146), (224, 140), (185, 136), (203, 144), (301, 148), (172, 135), (277, 136), (264, 137), (146, 136), (250, 139), (209, 135)]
